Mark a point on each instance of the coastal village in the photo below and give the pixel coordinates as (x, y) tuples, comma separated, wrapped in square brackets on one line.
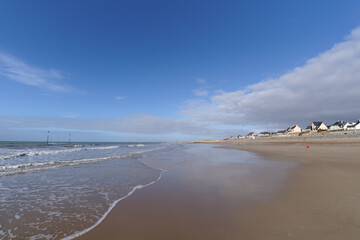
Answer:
[(317, 126)]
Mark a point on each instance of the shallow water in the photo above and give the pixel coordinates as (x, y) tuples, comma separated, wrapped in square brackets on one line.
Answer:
[(72, 189), (24, 156), (202, 195), (61, 200)]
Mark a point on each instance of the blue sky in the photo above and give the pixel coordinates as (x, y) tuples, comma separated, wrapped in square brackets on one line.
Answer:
[(166, 70)]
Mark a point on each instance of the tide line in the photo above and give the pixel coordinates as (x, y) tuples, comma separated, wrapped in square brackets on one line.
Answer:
[(77, 234)]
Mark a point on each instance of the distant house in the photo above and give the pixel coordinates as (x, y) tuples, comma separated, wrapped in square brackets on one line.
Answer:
[(264, 134), (339, 125), (352, 126), (251, 135), (294, 129), (307, 129), (347, 124), (357, 126), (281, 132), (318, 126)]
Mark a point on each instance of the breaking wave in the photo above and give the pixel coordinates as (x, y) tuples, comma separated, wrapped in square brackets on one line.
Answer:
[(33, 166)]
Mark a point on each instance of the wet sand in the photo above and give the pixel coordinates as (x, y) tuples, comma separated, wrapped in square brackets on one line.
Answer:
[(321, 200), (301, 193)]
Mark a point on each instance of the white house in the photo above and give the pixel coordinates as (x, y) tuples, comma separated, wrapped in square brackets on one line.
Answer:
[(294, 129), (347, 124), (307, 129), (251, 135), (264, 134), (339, 125), (318, 126), (352, 126)]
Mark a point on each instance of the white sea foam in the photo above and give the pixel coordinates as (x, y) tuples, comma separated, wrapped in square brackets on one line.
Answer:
[(11, 234), (26, 167), (41, 236), (136, 145), (102, 148), (5, 170), (75, 148), (77, 234), (39, 153)]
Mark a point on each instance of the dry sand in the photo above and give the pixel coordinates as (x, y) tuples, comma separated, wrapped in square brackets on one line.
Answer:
[(320, 200)]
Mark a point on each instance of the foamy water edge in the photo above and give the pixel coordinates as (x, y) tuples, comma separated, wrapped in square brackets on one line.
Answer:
[(78, 234)]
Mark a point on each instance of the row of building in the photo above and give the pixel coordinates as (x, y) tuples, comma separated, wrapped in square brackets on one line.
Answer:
[(315, 126)]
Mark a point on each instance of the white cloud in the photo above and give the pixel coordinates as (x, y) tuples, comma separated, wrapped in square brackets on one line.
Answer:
[(200, 80), (119, 97), (201, 92), (326, 88), (17, 70)]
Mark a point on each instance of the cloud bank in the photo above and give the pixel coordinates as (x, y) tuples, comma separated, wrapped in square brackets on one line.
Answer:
[(326, 88), (14, 69)]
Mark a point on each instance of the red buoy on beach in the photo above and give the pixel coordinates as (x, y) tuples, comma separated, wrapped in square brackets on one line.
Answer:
[(307, 147)]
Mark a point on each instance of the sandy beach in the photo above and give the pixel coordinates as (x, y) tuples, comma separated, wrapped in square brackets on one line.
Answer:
[(257, 190), (321, 199)]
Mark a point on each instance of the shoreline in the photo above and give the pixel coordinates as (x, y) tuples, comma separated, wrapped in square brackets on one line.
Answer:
[(319, 200), (286, 140), (78, 234)]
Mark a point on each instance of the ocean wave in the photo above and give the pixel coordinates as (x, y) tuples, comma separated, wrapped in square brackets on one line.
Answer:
[(38, 153), (101, 148), (136, 145), (21, 168), (26, 167), (48, 152)]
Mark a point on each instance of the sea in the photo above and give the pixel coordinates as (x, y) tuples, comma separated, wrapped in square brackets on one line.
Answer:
[(62, 190)]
